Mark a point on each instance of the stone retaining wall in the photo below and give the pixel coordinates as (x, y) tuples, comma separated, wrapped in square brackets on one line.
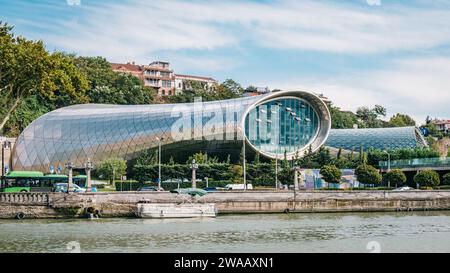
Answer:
[(123, 204)]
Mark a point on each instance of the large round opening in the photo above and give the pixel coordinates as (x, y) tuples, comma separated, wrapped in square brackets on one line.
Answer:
[(282, 125)]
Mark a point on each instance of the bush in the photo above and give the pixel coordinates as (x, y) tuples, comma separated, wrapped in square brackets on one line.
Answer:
[(367, 174), (395, 177), (331, 174), (428, 178), (111, 167), (446, 179)]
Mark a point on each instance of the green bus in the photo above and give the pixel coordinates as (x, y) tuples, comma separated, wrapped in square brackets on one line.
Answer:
[(33, 181)]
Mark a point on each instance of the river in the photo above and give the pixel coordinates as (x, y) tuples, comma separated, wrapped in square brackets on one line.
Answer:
[(315, 232)]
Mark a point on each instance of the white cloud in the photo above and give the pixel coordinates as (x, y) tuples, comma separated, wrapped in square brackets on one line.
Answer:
[(138, 29), (415, 86), (373, 2)]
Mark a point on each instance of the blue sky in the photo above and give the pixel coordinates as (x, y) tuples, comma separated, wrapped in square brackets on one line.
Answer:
[(360, 52)]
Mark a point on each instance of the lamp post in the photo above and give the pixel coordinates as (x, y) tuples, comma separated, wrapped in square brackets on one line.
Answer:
[(194, 167), (88, 166), (159, 162), (69, 166), (389, 166), (244, 169)]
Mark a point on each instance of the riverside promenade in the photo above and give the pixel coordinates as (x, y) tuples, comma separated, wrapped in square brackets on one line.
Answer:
[(123, 204)]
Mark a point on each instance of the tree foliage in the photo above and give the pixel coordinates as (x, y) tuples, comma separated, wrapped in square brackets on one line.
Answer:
[(331, 174), (395, 177), (367, 174), (427, 178), (446, 179), (111, 168), (401, 120)]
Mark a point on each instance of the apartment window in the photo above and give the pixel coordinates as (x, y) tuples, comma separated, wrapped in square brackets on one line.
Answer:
[(165, 74), (151, 72), (152, 82), (166, 84)]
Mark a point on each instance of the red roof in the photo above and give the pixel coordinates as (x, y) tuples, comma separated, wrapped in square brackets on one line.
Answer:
[(127, 67), (195, 77)]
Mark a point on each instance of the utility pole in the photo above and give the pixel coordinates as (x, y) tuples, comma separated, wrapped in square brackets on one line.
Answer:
[(159, 162), (244, 169), (389, 166)]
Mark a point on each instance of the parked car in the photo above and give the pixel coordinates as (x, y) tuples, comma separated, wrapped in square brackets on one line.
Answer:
[(62, 187), (209, 189), (404, 189), (238, 187), (149, 188)]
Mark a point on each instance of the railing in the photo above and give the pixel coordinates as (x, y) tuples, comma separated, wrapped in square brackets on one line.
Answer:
[(33, 198), (416, 163)]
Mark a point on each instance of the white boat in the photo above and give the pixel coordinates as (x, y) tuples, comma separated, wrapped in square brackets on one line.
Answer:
[(170, 210), (184, 209)]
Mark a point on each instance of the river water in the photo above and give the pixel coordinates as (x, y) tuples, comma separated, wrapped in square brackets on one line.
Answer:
[(334, 232)]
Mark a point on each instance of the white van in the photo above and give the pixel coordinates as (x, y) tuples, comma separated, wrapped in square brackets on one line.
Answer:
[(238, 187)]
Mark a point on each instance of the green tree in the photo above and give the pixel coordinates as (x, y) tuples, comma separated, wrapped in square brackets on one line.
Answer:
[(236, 172), (23, 65), (62, 83), (367, 174), (331, 174), (395, 177), (111, 169), (446, 179), (427, 178), (233, 87), (401, 120), (369, 117)]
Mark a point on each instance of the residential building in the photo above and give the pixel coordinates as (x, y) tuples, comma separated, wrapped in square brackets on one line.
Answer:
[(159, 76), (182, 82), (128, 68), (442, 125)]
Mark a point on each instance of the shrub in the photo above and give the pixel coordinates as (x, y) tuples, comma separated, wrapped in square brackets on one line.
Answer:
[(331, 174), (427, 178), (395, 177), (367, 174), (111, 167), (446, 179)]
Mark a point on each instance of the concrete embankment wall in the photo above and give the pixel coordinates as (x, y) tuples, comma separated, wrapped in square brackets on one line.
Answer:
[(57, 205)]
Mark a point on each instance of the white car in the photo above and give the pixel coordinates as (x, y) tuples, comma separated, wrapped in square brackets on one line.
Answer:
[(404, 189), (238, 187)]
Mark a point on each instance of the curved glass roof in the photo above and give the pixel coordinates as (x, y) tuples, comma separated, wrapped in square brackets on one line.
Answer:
[(377, 138)]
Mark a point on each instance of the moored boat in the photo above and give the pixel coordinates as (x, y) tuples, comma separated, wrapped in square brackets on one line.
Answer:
[(184, 209)]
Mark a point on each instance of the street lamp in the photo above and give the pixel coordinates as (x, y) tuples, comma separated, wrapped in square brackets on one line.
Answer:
[(389, 166), (194, 167), (159, 162), (244, 169)]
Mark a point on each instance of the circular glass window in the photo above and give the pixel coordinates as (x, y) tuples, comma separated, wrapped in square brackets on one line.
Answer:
[(281, 125)]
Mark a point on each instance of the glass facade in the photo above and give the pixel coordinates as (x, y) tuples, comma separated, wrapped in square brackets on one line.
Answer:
[(97, 132), (378, 138), (281, 125)]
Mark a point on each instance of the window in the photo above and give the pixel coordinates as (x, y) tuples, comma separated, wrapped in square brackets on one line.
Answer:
[(166, 84)]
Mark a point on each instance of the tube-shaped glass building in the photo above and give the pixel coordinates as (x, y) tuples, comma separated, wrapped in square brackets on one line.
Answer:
[(274, 124)]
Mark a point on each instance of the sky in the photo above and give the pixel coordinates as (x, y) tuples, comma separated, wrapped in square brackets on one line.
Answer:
[(357, 53)]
